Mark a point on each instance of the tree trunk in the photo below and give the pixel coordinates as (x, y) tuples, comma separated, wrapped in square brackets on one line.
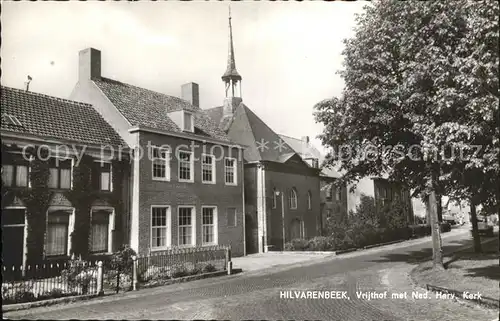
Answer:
[(439, 204), (427, 210), (437, 251), (475, 232)]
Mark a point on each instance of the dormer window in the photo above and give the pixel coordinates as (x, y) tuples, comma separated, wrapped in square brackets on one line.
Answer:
[(188, 121)]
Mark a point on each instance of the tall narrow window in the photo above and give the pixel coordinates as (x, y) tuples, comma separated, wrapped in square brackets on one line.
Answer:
[(185, 224), (57, 233), (160, 158), (100, 231), (209, 225), (208, 169), (230, 171), (309, 200), (159, 227), (293, 199), (60, 173), (185, 166), (338, 193), (274, 198), (102, 176)]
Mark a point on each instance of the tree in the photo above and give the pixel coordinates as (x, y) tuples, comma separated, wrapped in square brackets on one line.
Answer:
[(404, 111)]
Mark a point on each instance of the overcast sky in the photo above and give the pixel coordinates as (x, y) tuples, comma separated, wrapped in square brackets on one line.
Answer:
[(287, 52)]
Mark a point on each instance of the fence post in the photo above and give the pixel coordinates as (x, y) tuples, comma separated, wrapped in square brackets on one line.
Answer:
[(228, 261), (100, 279), (134, 272)]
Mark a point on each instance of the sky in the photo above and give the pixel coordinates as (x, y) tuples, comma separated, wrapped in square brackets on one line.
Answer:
[(288, 53)]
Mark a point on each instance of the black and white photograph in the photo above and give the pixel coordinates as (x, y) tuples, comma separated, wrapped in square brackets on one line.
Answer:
[(250, 160)]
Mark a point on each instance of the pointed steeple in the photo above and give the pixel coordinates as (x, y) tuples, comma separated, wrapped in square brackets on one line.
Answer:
[(231, 79), (231, 72)]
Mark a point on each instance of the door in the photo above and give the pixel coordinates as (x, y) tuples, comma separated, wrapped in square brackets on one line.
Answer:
[(252, 236), (13, 221)]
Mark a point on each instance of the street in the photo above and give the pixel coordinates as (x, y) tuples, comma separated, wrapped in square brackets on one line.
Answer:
[(257, 295)]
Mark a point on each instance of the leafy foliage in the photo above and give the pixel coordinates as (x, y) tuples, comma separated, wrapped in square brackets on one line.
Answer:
[(422, 74)]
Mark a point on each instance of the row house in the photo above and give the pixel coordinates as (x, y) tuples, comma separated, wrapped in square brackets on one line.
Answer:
[(186, 174), (62, 192), (281, 189)]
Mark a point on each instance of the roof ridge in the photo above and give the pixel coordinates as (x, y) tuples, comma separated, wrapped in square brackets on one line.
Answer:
[(152, 91), (74, 102)]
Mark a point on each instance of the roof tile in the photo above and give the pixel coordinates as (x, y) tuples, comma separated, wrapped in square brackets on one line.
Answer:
[(56, 118)]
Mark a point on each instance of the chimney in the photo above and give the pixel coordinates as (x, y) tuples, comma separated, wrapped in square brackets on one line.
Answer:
[(305, 139), (89, 65), (191, 93)]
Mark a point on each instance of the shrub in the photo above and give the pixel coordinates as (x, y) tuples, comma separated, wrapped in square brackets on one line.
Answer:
[(320, 243), (79, 274), (445, 227), (297, 245), (209, 268), (179, 271), (52, 294)]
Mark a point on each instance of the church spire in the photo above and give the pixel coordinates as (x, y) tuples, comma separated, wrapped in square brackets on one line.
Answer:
[(231, 77)]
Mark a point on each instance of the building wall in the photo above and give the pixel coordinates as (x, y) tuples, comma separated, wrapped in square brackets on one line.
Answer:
[(251, 219), (174, 193), (393, 191), (283, 177), (330, 205)]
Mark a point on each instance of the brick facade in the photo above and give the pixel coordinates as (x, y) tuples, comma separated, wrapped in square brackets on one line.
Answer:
[(174, 193)]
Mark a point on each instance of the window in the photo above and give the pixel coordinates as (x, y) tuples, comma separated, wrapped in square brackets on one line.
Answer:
[(159, 227), (293, 198), (100, 233), (329, 192), (274, 197), (60, 173), (230, 171), (15, 170), (186, 220), (102, 176), (328, 213), (160, 163), (208, 169), (185, 166), (209, 225), (338, 193), (231, 216), (188, 122), (57, 233), (309, 200)]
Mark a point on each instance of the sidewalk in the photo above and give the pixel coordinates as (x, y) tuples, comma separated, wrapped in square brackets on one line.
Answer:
[(263, 261), (466, 271)]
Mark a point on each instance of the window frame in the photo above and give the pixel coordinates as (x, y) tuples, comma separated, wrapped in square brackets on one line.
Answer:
[(292, 195), (193, 226), (215, 225), (71, 229), (168, 234), (214, 180), (191, 115), (111, 226), (14, 165), (309, 200), (100, 175), (25, 230), (338, 194), (59, 173), (191, 166), (166, 163), (235, 173)]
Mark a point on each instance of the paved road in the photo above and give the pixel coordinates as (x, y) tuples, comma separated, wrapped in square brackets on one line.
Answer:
[(257, 295)]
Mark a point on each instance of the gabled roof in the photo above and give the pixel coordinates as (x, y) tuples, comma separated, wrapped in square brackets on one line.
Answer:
[(307, 150), (56, 118), (147, 108), (246, 128)]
